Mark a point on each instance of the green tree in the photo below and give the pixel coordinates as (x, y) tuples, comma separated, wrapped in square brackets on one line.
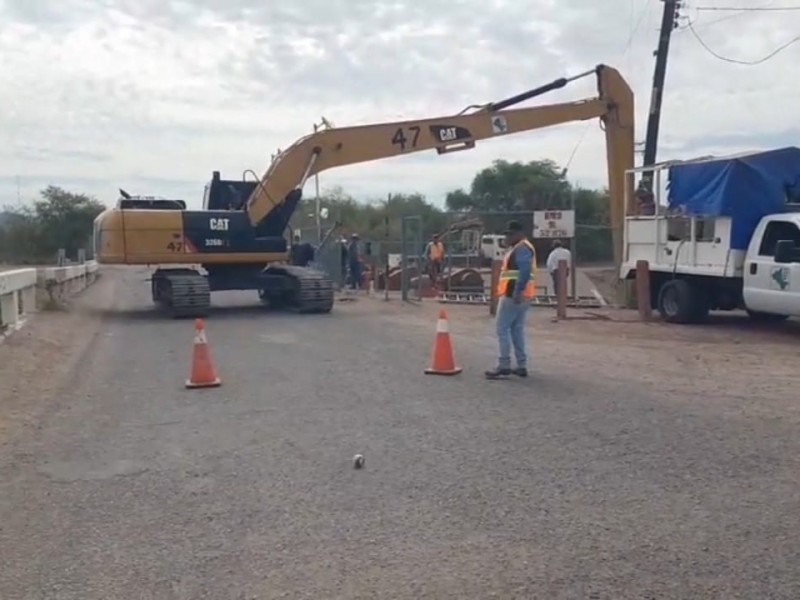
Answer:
[(59, 219), (538, 185), (368, 219), (18, 236), (513, 186)]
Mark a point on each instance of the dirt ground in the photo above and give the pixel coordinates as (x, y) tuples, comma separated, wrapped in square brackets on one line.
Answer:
[(606, 280), (729, 361), (37, 360), (664, 468)]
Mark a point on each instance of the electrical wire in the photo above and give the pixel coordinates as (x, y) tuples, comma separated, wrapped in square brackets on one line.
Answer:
[(642, 14), (772, 54), (746, 9), (737, 14)]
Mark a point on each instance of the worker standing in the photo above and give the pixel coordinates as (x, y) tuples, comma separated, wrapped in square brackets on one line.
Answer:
[(515, 290), (302, 254), (343, 259), (557, 254), (435, 256), (354, 256)]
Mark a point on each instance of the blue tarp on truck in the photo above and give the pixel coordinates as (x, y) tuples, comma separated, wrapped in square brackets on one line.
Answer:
[(744, 188)]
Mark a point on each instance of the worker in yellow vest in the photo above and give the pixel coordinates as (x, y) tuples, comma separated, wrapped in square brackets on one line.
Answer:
[(435, 256), (515, 289)]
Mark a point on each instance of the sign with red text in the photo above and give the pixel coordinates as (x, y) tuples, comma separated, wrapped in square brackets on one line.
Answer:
[(552, 224)]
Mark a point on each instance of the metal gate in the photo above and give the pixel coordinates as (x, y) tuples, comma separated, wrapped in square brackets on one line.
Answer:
[(411, 256)]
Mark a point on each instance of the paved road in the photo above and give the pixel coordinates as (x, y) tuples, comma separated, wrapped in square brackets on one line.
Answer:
[(129, 486)]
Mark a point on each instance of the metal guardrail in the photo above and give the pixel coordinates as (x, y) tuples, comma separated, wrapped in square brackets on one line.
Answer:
[(18, 289), (17, 297)]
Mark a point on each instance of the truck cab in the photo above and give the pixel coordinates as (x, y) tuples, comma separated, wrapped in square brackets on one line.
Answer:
[(772, 267)]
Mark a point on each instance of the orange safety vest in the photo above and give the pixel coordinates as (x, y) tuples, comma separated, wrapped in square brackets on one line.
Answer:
[(509, 276), (437, 251)]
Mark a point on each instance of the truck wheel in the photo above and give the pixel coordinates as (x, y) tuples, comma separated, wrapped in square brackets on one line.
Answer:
[(676, 301), (762, 317)]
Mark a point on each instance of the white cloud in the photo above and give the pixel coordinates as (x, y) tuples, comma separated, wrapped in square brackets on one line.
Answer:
[(154, 95)]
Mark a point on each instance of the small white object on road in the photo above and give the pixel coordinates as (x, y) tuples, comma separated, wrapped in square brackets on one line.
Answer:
[(358, 461)]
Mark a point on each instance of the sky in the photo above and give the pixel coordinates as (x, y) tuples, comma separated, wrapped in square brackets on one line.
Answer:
[(154, 95)]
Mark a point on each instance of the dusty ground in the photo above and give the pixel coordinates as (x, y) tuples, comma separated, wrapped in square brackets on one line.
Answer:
[(38, 359), (639, 460), (605, 280)]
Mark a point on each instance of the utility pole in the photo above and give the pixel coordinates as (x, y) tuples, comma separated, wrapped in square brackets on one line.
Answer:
[(669, 21)]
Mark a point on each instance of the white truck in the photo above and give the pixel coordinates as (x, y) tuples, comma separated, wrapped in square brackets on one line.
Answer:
[(727, 237)]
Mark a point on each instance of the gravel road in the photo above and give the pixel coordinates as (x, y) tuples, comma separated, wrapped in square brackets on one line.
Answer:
[(601, 477)]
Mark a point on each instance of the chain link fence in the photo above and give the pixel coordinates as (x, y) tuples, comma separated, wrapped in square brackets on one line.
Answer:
[(395, 254)]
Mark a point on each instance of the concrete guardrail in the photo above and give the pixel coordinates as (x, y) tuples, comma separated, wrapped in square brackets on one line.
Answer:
[(22, 290)]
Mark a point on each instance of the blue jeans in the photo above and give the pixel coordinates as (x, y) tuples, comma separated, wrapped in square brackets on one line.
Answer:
[(511, 330), (355, 275)]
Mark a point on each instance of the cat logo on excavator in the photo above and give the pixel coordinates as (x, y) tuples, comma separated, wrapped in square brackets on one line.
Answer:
[(218, 224)]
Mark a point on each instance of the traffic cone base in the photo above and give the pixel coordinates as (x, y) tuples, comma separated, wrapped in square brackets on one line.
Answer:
[(443, 360), (191, 385), (203, 374), (455, 371)]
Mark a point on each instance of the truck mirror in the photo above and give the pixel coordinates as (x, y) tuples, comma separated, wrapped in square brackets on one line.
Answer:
[(784, 251)]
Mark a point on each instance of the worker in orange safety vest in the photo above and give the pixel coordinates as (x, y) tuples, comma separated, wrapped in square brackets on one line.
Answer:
[(435, 256), (515, 290)]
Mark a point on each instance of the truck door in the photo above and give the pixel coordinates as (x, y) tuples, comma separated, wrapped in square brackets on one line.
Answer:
[(772, 287)]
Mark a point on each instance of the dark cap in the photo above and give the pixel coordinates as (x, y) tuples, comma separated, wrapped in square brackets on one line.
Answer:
[(514, 227)]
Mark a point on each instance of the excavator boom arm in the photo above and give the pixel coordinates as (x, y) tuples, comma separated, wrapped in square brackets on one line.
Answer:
[(337, 147)]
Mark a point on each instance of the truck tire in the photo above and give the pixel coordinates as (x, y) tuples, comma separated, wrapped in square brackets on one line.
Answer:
[(762, 317), (681, 302)]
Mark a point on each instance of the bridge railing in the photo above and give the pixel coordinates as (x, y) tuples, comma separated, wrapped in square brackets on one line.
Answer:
[(22, 290)]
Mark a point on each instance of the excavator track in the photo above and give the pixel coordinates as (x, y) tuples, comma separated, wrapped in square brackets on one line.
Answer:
[(313, 290), (185, 293), (191, 296)]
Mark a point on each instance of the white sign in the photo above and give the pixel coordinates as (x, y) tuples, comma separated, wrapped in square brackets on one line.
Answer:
[(550, 224), (499, 125)]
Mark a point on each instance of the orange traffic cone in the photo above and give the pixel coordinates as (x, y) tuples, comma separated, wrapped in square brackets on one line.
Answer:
[(443, 362), (203, 373)]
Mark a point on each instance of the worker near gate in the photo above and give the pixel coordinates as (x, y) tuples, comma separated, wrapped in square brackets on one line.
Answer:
[(301, 254), (343, 259), (515, 290), (435, 255), (354, 256), (557, 254)]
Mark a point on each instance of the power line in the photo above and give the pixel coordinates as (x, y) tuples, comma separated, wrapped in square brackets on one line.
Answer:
[(750, 9), (705, 46), (642, 14), (643, 11), (733, 14)]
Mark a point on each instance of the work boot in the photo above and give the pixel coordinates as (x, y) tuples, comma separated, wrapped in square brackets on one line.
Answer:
[(521, 372), (498, 373)]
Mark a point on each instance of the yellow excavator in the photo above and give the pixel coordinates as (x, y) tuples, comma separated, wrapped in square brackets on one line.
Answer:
[(239, 240)]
